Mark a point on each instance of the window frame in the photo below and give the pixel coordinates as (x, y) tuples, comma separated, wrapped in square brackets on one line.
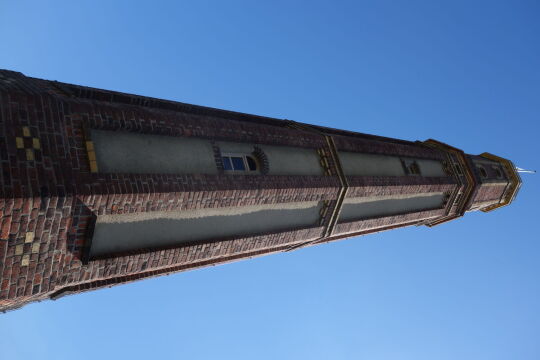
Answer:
[(247, 169)]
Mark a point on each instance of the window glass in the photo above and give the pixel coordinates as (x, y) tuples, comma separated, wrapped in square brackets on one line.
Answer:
[(238, 163), (226, 163), (251, 163)]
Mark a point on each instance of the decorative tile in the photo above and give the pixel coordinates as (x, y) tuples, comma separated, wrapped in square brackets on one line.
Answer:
[(29, 154), (29, 237)]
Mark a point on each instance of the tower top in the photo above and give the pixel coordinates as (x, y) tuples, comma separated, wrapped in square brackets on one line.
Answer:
[(513, 185)]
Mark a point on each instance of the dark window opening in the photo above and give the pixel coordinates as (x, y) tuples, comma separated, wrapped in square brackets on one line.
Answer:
[(499, 173), (252, 165), (410, 167), (483, 172), (414, 168)]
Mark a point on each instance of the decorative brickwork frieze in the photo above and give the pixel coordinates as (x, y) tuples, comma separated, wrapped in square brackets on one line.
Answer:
[(381, 222), (416, 150), (262, 159)]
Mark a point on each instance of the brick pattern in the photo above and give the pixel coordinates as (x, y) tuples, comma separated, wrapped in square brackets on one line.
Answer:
[(347, 235), (489, 193), (417, 150), (382, 222), (49, 200), (262, 159), (362, 186)]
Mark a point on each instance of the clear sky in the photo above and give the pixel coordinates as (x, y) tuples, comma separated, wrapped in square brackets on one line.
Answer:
[(464, 72)]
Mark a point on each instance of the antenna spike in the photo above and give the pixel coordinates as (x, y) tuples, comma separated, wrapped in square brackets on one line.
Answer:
[(520, 170)]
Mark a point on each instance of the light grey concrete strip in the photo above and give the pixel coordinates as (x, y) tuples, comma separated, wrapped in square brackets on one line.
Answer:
[(389, 206), (361, 164), (156, 229), (125, 152)]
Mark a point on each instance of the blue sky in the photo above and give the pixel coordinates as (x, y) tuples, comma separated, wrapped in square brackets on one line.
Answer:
[(463, 72)]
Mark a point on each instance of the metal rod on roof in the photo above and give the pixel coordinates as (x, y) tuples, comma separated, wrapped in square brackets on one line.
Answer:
[(520, 170)]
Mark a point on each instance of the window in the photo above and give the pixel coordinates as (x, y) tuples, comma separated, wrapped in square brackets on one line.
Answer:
[(414, 168), (498, 172), (410, 167), (483, 172), (239, 163)]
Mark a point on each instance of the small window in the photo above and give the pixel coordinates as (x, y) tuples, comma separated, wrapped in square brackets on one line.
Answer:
[(410, 167), (414, 168), (498, 172), (239, 163), (482, 171)]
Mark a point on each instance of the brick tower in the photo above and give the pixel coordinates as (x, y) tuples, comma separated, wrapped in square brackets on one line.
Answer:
[(100, 188)]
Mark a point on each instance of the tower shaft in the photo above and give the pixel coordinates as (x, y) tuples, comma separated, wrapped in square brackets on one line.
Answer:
[(100, 188)]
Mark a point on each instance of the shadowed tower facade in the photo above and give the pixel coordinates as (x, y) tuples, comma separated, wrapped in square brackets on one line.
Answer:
[(100, 188)]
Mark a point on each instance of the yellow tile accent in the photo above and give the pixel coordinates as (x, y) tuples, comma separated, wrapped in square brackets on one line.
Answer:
[(29, 237), (36, 144), (93, 166), (29, 154), (26, 131), (92, 155), (19, 249), (89, 145), (35, 247), (25, 260), (20, 143)]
